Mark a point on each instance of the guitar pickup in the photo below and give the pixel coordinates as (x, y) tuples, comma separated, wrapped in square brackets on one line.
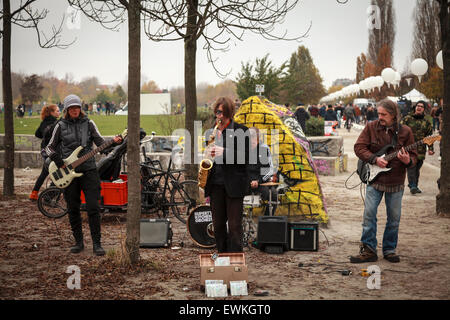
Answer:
[(66, 170)]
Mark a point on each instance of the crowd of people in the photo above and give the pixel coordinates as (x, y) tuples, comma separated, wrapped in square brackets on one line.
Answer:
[(340, 112), (98, 108)]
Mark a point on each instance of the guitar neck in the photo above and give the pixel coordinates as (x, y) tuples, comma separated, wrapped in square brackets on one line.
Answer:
[(92, 153), (391, 156)]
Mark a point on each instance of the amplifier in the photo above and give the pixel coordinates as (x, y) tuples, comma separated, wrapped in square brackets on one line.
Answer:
[(155, 233), (304, 236), (273, 232)]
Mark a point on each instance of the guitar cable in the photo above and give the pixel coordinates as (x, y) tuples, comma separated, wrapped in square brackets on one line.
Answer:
[(361, 185)]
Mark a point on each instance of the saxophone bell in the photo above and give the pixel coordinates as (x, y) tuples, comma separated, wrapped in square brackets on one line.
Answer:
[(207, 163)]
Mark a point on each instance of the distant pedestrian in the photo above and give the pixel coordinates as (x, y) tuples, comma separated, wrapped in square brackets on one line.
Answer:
[(301, 115), (330, 114)]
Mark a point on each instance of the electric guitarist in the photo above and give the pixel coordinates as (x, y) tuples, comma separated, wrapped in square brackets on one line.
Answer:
[(390, 184), (73, 131)]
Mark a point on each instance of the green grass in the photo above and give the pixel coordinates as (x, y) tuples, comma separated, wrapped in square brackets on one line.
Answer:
[(108, 125)]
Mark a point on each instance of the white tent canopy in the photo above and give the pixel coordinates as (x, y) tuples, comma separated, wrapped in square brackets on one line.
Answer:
[(415, 96)]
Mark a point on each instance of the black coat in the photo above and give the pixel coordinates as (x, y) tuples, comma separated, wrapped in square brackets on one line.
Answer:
[(301, 115), (330, 115), (43, 129), (236, 179)]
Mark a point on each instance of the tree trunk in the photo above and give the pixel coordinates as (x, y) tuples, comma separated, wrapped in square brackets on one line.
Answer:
[(133, 152), (8, 181), (443, 198), (190, 50)]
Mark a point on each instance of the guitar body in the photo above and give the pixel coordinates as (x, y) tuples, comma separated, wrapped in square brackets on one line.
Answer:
[(368, 172), (63, 177)]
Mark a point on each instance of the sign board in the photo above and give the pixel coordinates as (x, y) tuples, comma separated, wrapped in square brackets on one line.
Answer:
[(259, 88)]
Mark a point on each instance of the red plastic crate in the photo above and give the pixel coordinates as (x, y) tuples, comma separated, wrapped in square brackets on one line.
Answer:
[(113, 194)]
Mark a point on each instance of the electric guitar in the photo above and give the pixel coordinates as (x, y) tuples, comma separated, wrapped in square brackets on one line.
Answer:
[(62, 177), (368, 172)]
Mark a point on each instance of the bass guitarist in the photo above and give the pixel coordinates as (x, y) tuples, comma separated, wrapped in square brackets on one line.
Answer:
[(377, 134), (74, 130)]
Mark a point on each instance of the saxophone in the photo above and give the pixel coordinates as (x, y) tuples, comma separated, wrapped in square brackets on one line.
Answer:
[(207, 163)]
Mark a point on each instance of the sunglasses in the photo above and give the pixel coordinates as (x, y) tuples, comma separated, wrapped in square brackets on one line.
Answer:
[(219, 112)]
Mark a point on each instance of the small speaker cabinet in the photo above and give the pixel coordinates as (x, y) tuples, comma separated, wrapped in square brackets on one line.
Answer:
[(304, 236), (155, 233), (273, 231)]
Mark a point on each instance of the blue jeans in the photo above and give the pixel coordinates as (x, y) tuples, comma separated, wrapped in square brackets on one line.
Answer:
[(393, 202)]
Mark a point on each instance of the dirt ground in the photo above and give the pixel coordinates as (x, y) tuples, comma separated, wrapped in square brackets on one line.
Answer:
[(34, 253)]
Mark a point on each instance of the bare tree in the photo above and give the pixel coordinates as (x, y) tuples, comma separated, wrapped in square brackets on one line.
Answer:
[(217, 22), (111, 14), (427, 33), (385, 34), (443, 198), (26, 17)]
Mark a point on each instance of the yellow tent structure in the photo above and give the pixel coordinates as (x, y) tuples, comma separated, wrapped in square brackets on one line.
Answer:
[(281, 131)]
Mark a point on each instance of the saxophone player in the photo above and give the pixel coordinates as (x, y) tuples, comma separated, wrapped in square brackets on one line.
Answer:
[(228, 181)]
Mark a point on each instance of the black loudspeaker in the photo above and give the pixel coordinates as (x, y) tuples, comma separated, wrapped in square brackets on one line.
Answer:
[(273, 232), (304, 236), (155, 233)]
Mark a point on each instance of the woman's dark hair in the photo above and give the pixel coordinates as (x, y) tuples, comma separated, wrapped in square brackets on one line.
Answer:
[(227, 106)]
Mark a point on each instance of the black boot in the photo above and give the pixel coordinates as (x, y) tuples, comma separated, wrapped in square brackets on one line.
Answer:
[(78, 247), (77, 232), (94, 225), (98, 250)]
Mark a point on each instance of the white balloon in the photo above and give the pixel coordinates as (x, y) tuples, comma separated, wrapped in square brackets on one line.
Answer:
[(379, 82), (419, 67), (388, 75), (439, 60)]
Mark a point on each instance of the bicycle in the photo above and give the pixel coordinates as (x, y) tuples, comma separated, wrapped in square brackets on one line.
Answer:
[(162, 192), (159, 185)]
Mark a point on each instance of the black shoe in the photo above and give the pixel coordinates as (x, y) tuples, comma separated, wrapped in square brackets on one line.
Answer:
[(392, 257), (98, 250), (365, 255), (415, 190), (77, 248)]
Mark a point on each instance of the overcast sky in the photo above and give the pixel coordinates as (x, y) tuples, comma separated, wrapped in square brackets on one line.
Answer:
[(338, 35)]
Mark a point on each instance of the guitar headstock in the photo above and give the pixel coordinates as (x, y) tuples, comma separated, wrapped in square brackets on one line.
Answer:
[(432, 139)]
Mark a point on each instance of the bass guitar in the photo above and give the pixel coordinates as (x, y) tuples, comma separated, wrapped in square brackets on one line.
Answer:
[(368, 172), (62, 177)]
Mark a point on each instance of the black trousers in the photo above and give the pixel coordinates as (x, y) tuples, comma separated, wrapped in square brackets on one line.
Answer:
[(414, 174), (89, 182), (225, 209), (40, 180)]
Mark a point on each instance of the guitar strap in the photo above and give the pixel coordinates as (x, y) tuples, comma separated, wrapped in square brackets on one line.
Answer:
[(395, 136)]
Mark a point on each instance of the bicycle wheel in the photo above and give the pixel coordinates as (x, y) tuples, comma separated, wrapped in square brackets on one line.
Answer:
[(185, 196), (51, 203)]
